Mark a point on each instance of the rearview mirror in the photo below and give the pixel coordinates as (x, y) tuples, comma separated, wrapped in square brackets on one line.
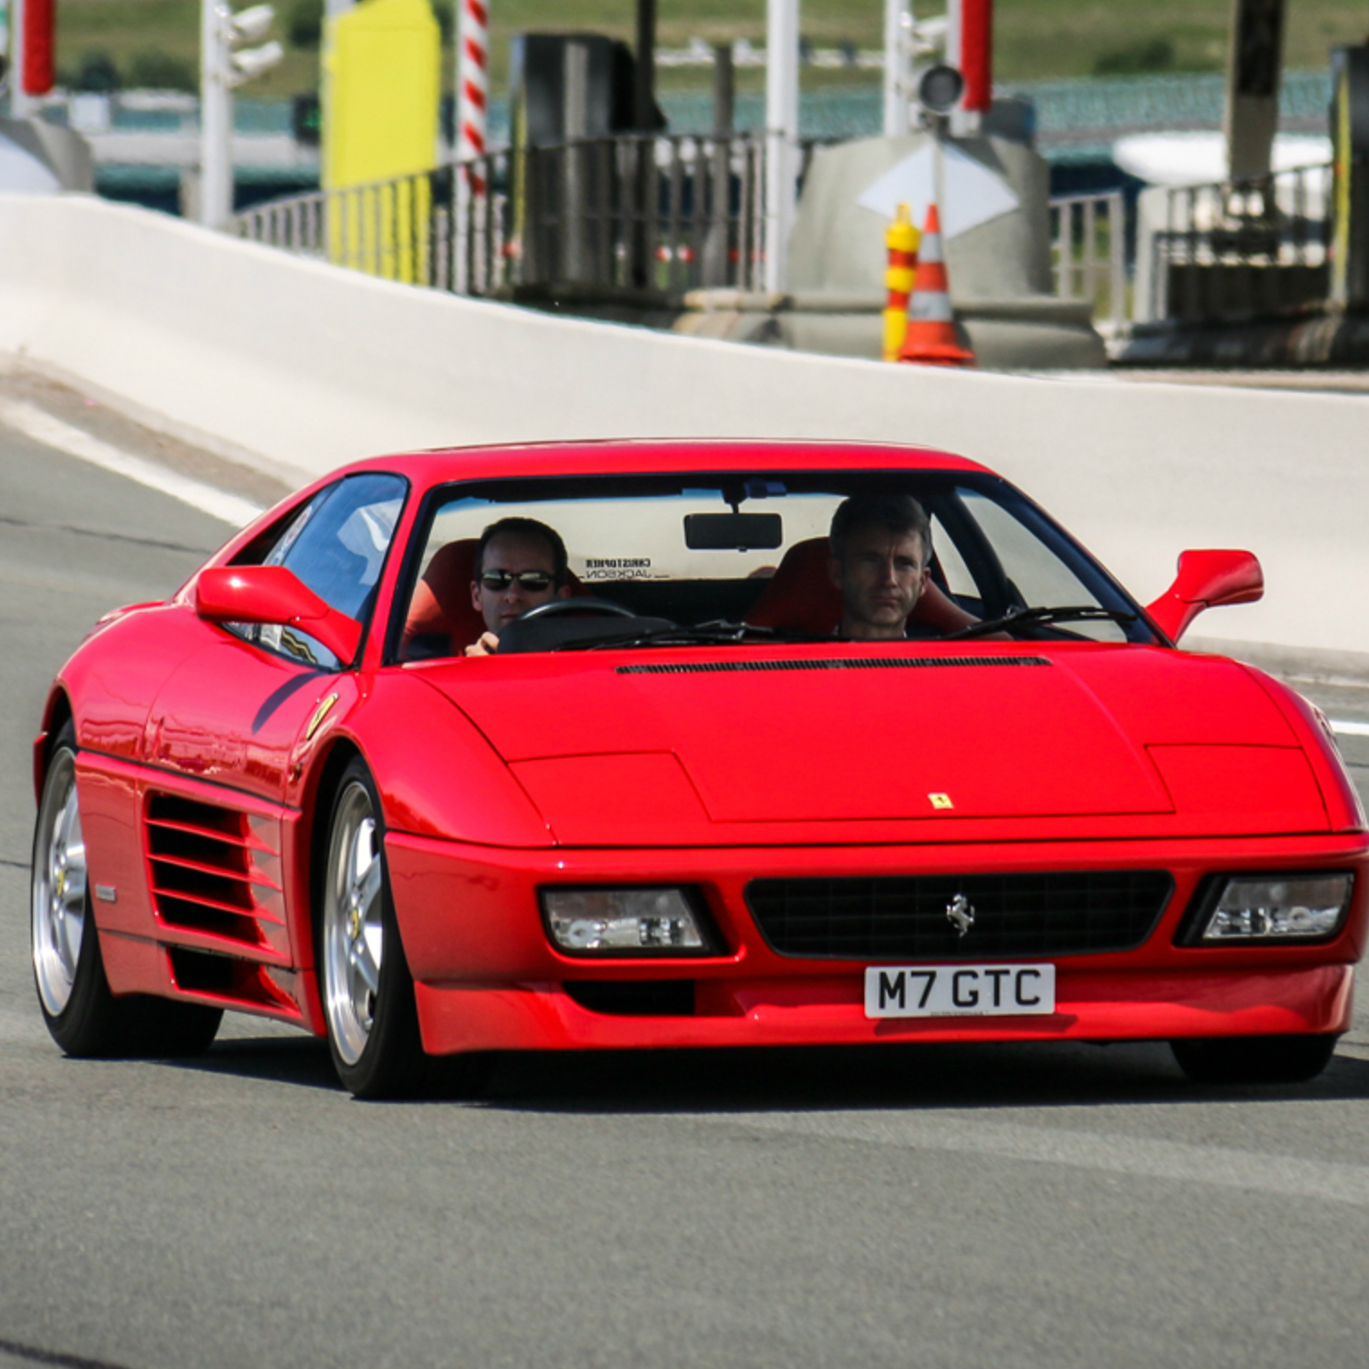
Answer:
[(733, 531), (1206, 579), (272, 594)]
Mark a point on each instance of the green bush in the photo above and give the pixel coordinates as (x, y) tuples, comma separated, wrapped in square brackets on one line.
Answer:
[(304, 29), (151, 69), (1154, 54), (97, 72), (445, 23)]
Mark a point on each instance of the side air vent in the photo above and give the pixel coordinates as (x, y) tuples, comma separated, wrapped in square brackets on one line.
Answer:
[(233, 981), (215, 871), (834, 663)]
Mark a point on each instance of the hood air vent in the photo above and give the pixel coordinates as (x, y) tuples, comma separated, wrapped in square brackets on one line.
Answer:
[(833, 663)]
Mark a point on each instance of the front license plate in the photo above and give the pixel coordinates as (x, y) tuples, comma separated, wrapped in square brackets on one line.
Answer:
[(959, 990)]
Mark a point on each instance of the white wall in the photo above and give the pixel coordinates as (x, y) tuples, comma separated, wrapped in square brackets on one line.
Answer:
[(306, 366)]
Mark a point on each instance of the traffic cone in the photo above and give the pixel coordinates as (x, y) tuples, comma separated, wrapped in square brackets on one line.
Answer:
[(931, 338), (901, 239)]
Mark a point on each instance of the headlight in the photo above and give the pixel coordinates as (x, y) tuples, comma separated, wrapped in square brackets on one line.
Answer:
[(1293, 907), (626, 922)]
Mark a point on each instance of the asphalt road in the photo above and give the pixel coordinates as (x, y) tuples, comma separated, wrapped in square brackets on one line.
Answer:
[(1058, 1206)]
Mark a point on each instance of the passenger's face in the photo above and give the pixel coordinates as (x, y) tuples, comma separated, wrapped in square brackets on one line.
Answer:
[(512, 552), (880, 577)]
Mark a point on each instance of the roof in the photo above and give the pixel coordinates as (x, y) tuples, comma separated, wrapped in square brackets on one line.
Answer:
[(622, 456)]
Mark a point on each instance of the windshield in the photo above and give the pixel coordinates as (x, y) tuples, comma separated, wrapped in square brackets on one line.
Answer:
[(674, 560)]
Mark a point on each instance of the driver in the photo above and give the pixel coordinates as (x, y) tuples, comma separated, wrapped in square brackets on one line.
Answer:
[(881, 554), (520, 564)]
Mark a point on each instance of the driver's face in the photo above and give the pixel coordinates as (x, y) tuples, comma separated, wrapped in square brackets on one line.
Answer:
[(514, 553), (880, 577)]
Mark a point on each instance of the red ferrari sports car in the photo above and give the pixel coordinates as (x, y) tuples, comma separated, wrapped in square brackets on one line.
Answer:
[(629, 744)]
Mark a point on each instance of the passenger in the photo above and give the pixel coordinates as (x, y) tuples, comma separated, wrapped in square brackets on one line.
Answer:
[(881, 555), (520, 564)]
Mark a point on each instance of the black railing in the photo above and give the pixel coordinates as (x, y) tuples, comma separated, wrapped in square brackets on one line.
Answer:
[(1241, 249), (613, 215)]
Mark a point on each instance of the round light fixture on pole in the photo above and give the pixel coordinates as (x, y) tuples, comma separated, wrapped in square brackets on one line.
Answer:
[(939, 88)]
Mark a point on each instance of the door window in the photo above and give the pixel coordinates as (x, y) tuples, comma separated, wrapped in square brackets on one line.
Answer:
[(336, 545)]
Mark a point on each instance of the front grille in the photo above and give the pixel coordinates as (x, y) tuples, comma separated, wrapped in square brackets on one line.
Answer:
[(904, 917)]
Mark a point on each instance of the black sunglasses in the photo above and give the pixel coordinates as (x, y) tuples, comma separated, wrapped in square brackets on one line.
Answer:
[(533, 580)]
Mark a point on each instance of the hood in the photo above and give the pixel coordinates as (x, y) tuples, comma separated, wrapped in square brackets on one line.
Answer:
[(840, 734)]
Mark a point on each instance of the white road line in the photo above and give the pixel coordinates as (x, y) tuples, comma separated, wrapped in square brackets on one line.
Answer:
[(1349, 729), (52, 432), (1135, 1156)]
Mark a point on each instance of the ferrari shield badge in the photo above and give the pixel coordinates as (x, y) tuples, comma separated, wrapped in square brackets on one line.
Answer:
[(320, 713)]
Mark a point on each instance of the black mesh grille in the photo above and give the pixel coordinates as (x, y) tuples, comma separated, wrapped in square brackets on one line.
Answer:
[(905, 917)]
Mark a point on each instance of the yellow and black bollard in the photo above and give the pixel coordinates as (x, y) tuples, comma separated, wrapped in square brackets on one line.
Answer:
[(901, 239)]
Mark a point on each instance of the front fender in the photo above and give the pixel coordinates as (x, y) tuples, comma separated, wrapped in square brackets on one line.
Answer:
[(436, 773), (1343, 807)]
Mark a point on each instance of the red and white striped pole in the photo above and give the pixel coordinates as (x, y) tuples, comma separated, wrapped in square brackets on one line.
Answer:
[(969, 48), (472, 85)]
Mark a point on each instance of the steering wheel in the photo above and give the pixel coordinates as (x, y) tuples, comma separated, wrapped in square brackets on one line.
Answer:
[(557, 608)]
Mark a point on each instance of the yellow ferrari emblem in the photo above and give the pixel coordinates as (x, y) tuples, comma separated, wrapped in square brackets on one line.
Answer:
[(941, 800), (320, 713)]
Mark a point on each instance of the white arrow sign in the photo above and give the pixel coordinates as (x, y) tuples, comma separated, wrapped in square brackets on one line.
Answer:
[(973, 194)]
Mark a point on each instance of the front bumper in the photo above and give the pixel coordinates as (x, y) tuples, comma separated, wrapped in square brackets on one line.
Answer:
[(487, 979), (1089, 1007)]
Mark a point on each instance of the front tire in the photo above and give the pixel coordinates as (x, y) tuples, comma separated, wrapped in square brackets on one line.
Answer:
[(368, 993), (83, 1017), (1253, 1059)]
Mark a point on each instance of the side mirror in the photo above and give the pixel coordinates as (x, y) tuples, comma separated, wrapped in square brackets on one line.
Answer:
[(272, 594), (1206, 579)]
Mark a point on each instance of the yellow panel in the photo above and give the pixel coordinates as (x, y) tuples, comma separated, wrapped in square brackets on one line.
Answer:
[(381, 86)]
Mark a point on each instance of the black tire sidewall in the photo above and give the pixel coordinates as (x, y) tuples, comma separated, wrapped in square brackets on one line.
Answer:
[(391, 1063), (1254, 1059), (94, 1022), (81, 1028)]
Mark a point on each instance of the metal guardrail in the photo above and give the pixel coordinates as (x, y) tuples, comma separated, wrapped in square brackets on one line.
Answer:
[(1241, 249), (1089, 254), (629, 213), (626, 217)]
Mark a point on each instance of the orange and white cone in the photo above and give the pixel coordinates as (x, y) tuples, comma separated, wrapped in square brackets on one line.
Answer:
[(931, 337)]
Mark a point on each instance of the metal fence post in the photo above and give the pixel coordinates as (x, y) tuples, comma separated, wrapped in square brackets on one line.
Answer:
[(1117, 260)]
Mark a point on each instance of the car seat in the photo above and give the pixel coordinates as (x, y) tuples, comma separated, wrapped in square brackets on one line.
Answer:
[(800, 596)]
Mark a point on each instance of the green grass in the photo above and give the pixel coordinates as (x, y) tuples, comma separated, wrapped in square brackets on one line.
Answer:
[(1035, 39)]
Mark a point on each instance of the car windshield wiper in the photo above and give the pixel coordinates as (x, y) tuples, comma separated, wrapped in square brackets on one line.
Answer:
[(1036, 617), (701, 634)]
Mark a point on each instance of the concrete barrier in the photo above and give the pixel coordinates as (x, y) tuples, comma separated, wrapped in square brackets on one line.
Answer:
[(298, 367)]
